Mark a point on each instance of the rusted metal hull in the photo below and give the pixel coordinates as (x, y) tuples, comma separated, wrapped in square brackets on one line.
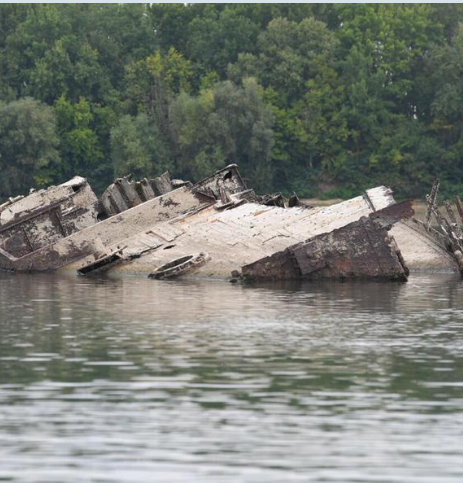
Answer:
[(242, 235), (41, 236), (30, 226), (360, 250), (138, 227)]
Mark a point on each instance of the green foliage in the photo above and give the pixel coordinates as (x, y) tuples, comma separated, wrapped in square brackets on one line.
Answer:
[(289, 54), (217, 38), (82, 147), (301, 96), (224, 125), (152, 84), (28, 144), (138, 147)]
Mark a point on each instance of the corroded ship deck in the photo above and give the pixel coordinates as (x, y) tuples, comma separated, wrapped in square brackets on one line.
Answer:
[(214, 228)]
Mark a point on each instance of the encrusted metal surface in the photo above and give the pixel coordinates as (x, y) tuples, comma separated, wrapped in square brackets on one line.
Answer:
[(360, 250), (61, 227)]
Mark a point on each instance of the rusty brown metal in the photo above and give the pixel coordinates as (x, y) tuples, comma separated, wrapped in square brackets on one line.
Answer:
[(50, 236), (107, 261), (360, 250), (392, 214)]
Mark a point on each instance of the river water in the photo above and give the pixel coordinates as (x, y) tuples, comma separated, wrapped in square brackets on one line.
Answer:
[(134, 380)]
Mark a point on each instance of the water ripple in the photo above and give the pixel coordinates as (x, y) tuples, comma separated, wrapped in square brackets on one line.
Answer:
[(127, 379)]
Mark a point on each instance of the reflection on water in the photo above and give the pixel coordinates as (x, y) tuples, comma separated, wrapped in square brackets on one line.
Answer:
[(129, 379)]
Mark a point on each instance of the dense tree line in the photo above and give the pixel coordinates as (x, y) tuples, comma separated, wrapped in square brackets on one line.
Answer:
[(318, 98)]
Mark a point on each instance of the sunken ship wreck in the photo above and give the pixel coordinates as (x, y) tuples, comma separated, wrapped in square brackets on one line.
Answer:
[(219, 227)]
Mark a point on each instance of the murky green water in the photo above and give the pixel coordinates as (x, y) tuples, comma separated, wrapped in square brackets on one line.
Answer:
[(134, 380)]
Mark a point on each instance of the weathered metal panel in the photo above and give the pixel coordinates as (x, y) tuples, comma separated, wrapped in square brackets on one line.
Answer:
[(15, 241), (162, 184), (57, 255), (124, 193), (146, 189), (128, 191), (74, 193), (112, 231), (44, 229), (227, 178), (245, 234), (279, 266), (188, 220), (360, 250)]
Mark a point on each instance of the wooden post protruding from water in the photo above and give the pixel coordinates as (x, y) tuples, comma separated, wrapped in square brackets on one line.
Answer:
[(455, 243), (441, 221), (459, 206), (453, 219), (431, 199)]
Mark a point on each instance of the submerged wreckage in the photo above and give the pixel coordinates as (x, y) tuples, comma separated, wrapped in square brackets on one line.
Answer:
[(218, 227)]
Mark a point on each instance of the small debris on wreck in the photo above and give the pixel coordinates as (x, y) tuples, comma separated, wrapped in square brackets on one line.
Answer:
[(105, 262), (181, 266)]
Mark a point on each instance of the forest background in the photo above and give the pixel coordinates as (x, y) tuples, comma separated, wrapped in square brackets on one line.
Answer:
[(321, 99)]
